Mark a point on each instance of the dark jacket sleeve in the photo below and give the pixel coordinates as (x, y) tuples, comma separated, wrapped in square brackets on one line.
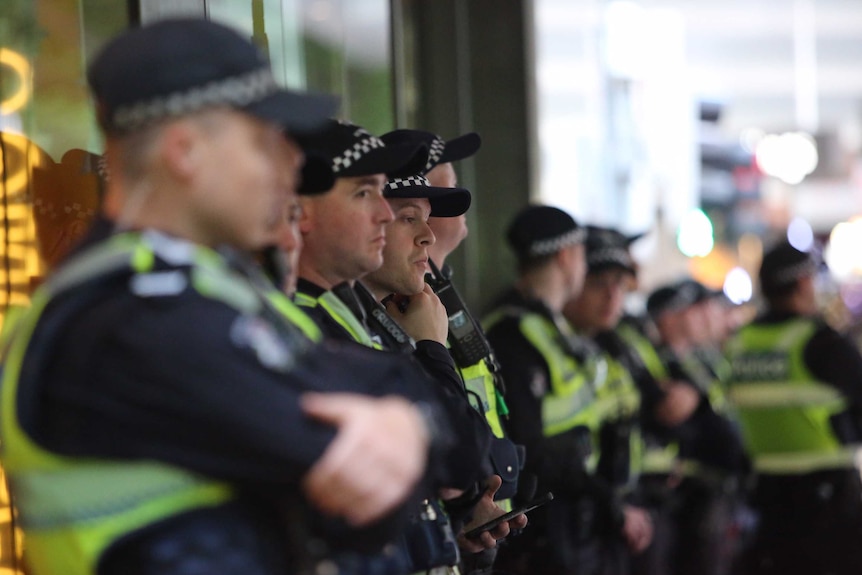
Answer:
[(834, 359), (176, 379), (180, 380), (466, 463)]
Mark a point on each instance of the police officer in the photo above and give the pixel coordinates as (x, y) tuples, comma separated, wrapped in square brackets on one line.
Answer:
[(552, 398), (409, 239), (795, 382), (155, 409), (636, 453), (709, 329), (345, 231), (712, 466)]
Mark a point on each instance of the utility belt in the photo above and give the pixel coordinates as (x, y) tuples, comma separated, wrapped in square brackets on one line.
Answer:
[(427, 545), (429, 540)]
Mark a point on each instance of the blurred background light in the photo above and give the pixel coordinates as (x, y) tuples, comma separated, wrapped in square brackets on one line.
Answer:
[(695, 237), (789, 157), (800, 234), (750, 138), (738, 286), (843, 254), (21, 67)]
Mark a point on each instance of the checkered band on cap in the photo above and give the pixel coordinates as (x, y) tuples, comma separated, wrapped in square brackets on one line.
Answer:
[(412, 182), (435, 152), (682, 297), (553, 245), (366, 143), (687, 294), (792, 273), (239, 91), (605, 256)]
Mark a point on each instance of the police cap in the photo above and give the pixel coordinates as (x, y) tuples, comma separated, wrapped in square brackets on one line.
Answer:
[(671, 298), (440, 151), (701, 291), (543, 230), (782, 267), (609, 248), (445, 202), (345, 150), (176, 67)]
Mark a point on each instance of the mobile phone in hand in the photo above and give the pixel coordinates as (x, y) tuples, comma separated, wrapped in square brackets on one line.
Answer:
[(538, 502)]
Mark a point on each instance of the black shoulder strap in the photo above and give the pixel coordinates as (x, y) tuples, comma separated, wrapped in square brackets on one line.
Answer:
[(381, 323)]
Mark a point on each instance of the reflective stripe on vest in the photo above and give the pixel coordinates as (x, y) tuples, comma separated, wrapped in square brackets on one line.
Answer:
[(783, 410), (659, 459), (72, 509), (772, 394), (572, 398), (618, 400), (656, 459), (338, 310), (807, 462), (479, 381), (645, 350), (296, 316)]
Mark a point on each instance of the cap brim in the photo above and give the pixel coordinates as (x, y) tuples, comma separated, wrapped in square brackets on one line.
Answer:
[(296, 113), (461, 147), (445, 202), (635, 237), (395, 161)]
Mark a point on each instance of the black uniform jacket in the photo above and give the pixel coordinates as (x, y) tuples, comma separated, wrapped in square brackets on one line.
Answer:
[(466, 463), (558, 461), (183, 378)]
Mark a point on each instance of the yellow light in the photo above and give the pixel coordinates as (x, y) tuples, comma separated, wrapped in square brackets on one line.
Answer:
[(22, 157), (17, 181), (712, 269), (750, 252), (21, 67)]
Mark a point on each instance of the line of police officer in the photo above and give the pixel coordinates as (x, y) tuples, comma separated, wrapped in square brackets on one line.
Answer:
[(776, 418), (159, 405), (166, 408)]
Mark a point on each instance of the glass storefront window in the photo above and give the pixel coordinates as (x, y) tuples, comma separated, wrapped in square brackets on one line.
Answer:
[(48, 155), (49, 142), (48, 136), (336, 46)]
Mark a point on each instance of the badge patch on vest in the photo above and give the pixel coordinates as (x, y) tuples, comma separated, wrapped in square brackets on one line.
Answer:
[(762, 366), (259, 335), (539, 384)]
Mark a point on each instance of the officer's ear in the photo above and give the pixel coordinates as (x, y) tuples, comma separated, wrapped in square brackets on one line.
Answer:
[(307, 219), (569, 256), (182, 148)]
